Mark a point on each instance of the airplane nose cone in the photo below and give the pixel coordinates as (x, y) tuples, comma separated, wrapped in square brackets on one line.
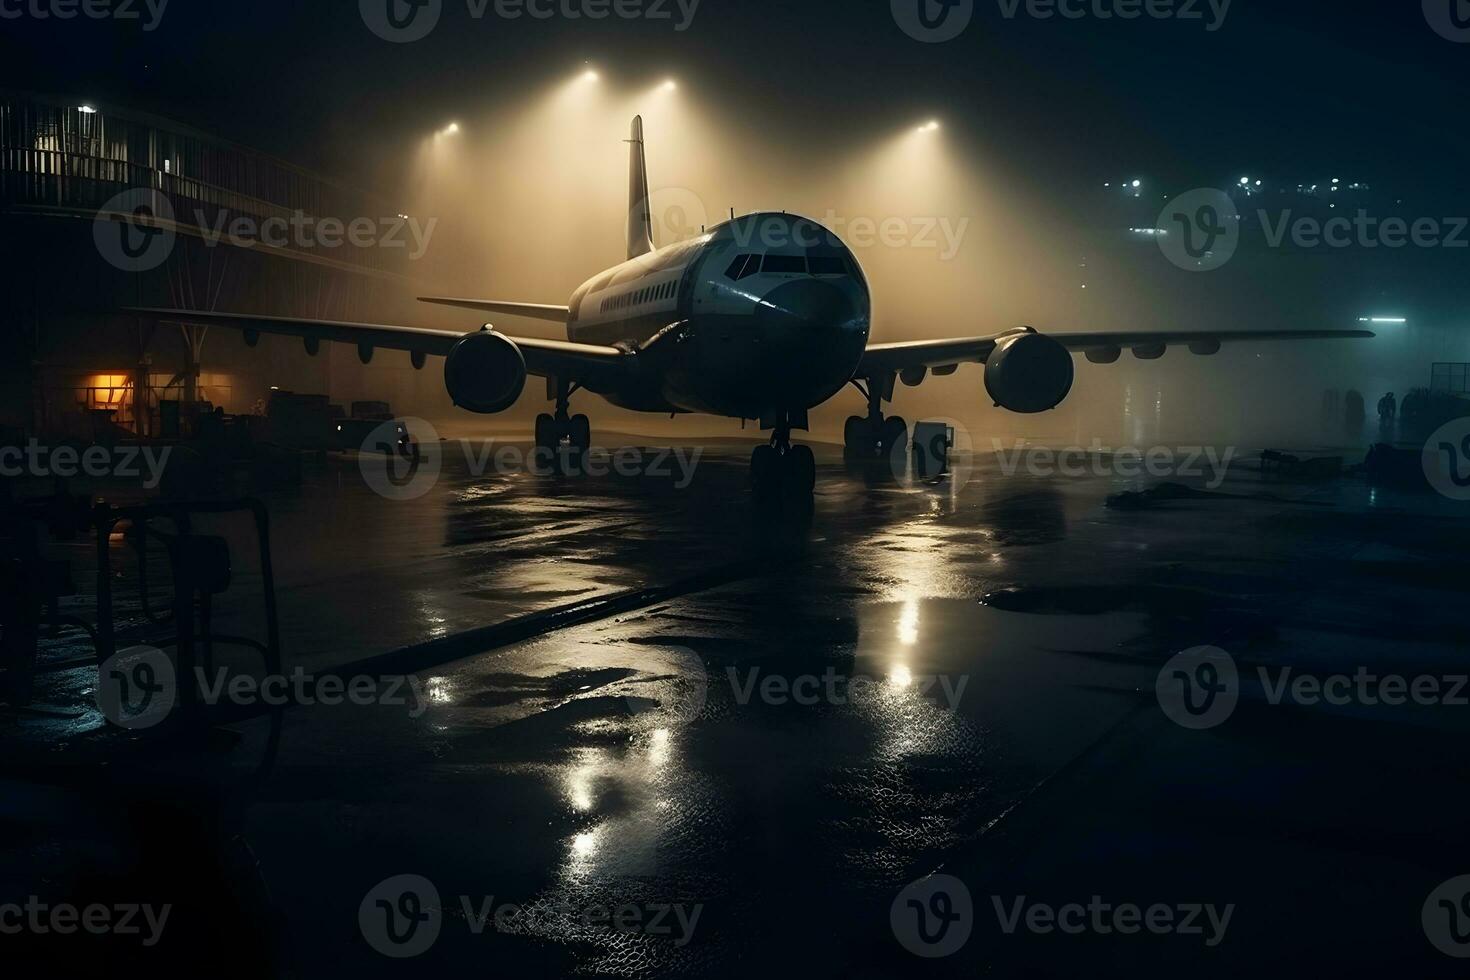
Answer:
[(808, 306), (813, 334)]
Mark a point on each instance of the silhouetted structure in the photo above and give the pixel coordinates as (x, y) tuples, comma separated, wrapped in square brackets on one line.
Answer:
[(69, 370)]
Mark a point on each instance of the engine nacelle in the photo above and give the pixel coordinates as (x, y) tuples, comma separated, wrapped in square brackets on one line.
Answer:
[(485, 373), (1029, 373)]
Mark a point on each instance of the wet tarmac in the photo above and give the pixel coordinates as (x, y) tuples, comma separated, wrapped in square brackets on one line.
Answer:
[(653, 730)]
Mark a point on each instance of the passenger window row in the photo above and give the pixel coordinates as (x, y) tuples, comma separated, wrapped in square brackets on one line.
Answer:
[(811, 263), (640, 296)]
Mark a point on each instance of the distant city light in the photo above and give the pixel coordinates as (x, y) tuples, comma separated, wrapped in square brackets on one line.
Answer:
[(1244, 181), (86, 110), (1138, 183)]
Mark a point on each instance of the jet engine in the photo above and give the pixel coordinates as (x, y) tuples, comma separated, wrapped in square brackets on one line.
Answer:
[(485, 373), (1029, 373)]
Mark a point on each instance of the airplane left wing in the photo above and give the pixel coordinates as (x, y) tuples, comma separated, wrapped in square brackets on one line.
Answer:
[(535, 311), (1102, 348), (544, 358)]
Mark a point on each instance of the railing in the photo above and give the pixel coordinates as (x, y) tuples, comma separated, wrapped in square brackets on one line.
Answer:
[(55, 157), (59, 179), (51, 179)]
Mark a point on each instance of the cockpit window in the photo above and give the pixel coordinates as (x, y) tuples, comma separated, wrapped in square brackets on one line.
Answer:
[(743, 266), (827, 265), (823, 263), (785, 264)]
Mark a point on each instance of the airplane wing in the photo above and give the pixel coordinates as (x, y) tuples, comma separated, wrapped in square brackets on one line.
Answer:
[(544, 358), (944, 355), (556, 314)]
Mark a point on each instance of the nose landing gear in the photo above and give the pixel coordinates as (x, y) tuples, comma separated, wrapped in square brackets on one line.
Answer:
[(780, 470)]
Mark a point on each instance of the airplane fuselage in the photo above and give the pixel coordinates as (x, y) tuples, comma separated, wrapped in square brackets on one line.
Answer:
[(764, 314)]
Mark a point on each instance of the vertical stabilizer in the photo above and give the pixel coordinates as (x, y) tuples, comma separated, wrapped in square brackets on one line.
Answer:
[(640, 219)]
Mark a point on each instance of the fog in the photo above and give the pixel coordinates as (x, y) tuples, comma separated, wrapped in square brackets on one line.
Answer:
[(959, 234)]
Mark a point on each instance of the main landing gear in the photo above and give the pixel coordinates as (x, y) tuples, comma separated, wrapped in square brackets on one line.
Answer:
[(874, 437), (780, 470), (554, 430)]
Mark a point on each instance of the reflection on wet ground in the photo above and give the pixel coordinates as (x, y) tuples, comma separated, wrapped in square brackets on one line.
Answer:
[(740, 772)]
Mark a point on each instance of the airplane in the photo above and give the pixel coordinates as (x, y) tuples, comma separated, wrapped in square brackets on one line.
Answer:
[(764, 317)]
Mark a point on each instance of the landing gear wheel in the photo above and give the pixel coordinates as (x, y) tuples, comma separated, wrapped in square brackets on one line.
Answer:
[(895, 437), (854, 435), (800, 471), (546, 434), (878, 438), (580, 433), (765, 464), (782, 479), (781, 473)]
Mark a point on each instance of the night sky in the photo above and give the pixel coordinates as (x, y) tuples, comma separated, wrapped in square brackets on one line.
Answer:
[(1282, 88)]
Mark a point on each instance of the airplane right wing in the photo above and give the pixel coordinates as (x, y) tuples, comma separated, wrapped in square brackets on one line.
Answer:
[(1102, 348)]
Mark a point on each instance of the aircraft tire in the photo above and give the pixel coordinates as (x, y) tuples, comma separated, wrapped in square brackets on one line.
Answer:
[(546, 432), (895, 437), (765, 463), (581, 433), (800, 471)]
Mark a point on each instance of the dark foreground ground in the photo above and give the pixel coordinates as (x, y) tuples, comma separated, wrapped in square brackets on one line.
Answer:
[(660, 732)]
